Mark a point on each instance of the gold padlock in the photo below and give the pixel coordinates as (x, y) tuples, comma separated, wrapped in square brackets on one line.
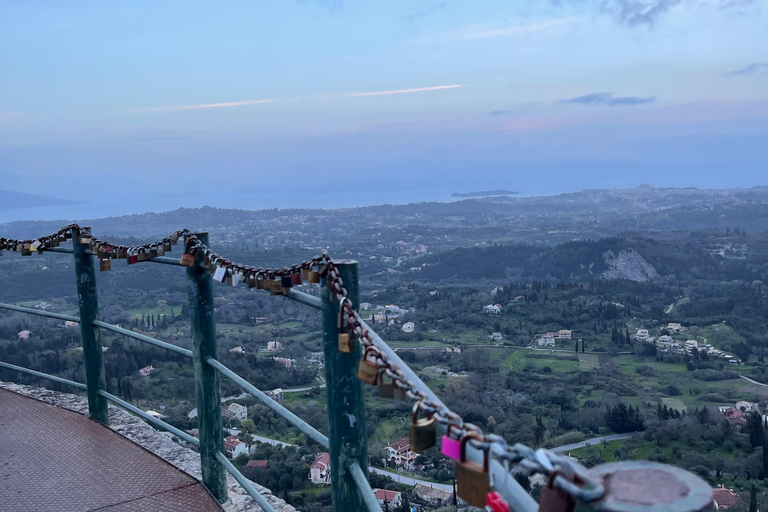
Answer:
[(313, 276), (472, 481), (105, 264), (422, 433), (344, 343), (187, 260), (388, 389), (367, 370), (277, 287)]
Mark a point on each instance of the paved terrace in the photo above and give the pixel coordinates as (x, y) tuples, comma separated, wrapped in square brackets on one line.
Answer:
[(54, 459)]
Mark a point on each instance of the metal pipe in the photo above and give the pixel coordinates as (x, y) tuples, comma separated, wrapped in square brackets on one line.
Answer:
[(207, 383), (37, 312), (149, 418), (364, 487), (67, 250), (392, 356), (294, 420), (88, 300), (141, 337), (247, 485), (165, 260), (44, 376), (346, 397), (305, 298)]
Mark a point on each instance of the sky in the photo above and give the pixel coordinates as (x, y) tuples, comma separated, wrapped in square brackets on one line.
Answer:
[(149, 106)]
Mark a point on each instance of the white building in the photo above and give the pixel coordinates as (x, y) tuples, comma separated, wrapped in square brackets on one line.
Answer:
[(564, 334), (642, 335), (24, 335), (236, 350), (400, 453), (674, 327), (664, 340), (492, 309), (235, 447), (237, 412), (274, 346), (389, 500), (320, 470), (496, 336), (691, 344), (547, 340), (408, 327), (747, 406)]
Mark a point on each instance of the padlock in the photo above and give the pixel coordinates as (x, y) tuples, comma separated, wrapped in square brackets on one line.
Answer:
[(152, 253), (422, 433), (142, 255), (495, 503), (167, 246), (263, 284), (26, 249), (345, 344), (252, 282), (295, 278), (187, 260), (313, 276), (105, 264), (388, 389), (553, 499), (35, 245), (132, 258), (160, 250), (285, 281), (472, 479), (173, 239), (220, 274), (450, 446), (304, 274), (277, 287), (367, 370)]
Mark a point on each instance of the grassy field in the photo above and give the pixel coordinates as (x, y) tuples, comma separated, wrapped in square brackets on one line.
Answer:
[(557, 361), (588, 361)]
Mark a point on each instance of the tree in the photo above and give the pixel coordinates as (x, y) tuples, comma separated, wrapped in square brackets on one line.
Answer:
[(405, 506), (753, 499)]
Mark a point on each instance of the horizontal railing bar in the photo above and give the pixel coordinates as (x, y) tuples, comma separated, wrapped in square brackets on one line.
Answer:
[(149, 418), (44, 375), (305, 298), (62, 249), (141, 337), (247, 485), (294, 420), (392, 356), (165, 260), (37, 312), (364, 487)]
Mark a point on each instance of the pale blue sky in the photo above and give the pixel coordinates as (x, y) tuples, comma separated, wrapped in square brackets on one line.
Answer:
[(151, 100)]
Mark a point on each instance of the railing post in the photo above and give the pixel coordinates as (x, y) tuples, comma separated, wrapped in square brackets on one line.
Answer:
[(207, 385), (346, 405), (88, 301)]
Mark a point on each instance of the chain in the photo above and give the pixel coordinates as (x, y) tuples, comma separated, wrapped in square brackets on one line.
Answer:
[(561, 471)]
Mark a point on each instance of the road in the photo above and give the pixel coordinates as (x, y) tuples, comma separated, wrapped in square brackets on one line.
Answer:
[(594, 440), (753, 381), (407, 480), (193, 412)]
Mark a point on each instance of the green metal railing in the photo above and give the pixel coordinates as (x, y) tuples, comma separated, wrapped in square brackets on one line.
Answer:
[(350, 487), (347, 440)]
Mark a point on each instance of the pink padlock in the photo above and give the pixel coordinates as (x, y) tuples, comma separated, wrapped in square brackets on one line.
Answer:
[(451, 447)]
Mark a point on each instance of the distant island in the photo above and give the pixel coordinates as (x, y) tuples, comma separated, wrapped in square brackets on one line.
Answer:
[(485, 193)]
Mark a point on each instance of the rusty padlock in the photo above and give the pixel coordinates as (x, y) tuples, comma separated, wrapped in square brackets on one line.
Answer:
[(368, 370), (388, 389), (105, 264), (422, 433), (345, 341), (472, 479)]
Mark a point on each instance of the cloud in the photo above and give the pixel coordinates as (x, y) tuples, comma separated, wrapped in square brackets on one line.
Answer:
[(756, 69), (508, 31), (606, 98), (638, 12), (500, 113), (421, 13), (207, 105), (399, 91)]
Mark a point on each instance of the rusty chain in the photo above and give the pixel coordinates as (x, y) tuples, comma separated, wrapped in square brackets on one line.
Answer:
[(563, 473)]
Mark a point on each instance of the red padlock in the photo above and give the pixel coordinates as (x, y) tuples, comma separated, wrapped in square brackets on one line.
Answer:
[(495, 503)]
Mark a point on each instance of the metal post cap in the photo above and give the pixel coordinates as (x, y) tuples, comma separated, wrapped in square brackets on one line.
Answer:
[(641, 486)]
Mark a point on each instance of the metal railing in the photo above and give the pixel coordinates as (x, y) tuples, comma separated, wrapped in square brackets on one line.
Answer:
[(349, 484), (347, 440)]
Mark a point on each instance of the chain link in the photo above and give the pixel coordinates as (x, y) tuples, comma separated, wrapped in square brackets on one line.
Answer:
[(562, 472)]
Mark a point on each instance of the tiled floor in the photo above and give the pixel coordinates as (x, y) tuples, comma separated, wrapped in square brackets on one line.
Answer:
[(52, 459)]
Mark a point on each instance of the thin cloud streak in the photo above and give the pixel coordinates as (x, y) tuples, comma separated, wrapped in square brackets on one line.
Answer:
[(400, 91), (207, 105), (509, 31)]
